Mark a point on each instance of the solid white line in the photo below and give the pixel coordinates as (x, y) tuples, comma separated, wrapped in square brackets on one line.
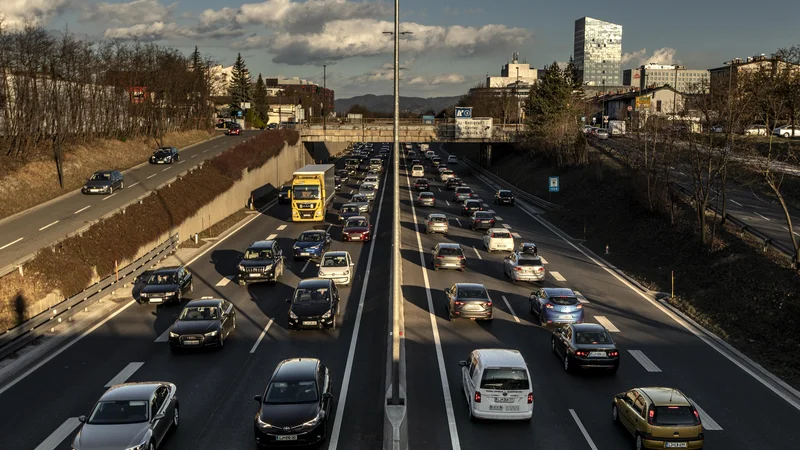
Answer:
[(506, 226), (11, 243), (261, 336), (580, 297), (510, 308), (558, 276), (516, 235), (583, 430), (648, 364), (603, 320), (448, 401), (459, 222), (164, 336), (737, 203), (168, 168), (348, 368), (544, 261), (61, 433), (271, 237), (80, 210), (305, 266), (476, 252), (48, 226), (709, 424), (151, 176), (282, 227), (134, 184), (448, 203), (125, 373), (109, 196), (224, 281), (759, 215)]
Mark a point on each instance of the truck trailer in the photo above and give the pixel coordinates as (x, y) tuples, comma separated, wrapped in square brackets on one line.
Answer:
[(313, 188)]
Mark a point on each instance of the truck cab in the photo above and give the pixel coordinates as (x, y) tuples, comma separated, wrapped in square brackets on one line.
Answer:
[(313, 188)]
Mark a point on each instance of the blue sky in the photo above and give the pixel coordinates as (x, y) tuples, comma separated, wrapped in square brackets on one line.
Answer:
[(453, 45)]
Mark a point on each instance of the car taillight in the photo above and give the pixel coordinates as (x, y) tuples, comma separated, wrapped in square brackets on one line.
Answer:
[(491, 221), (460, 256), (487, 304), (530, 398), (579, 306), (548, 306), (477, 396), (581, 353), (696, 417), (541, 269), (458, 303), (614, 353), (518, 269), (440, 256), (650, 415)]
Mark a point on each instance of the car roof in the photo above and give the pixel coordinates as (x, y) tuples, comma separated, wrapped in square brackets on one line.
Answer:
[(262, 245), (495, 230), (367, 184), (504, 190), (484, 213), (336, 253), (357, 218), (204, 302), (428, 193), (449, 245), (103, 172), (473, 200), (166, 270), (313, 232), (296, 369), (350, 204), (130, 391), (500, 357), (662, 396), (470, 285), (314, 283), (559, 292), (528, 256)]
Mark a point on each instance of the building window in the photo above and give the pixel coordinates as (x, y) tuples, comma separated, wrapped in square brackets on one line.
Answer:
[(658, 105)]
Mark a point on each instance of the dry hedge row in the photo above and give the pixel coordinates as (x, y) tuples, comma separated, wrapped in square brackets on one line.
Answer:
[(70, 266)]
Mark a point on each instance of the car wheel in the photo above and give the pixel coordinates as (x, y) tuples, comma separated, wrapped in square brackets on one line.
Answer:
[(175, 417), (110, 190), (639, 443), (151, 446), (567, 366), (240, 282), (221, 339), (614, 413), (122, 185), (786, 135)]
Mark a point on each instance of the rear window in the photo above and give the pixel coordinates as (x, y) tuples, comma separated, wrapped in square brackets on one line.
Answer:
[(564, 301), (529, 262), (501, 235), (483, 215), (674, 415), (472, 293), (417, 168), (426, 195), (592, 337), (505, 379), (463, 190), (450, 251), (505, 193), (438, 220)]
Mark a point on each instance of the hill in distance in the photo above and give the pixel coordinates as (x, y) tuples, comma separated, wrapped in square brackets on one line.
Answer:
[(385, 103)]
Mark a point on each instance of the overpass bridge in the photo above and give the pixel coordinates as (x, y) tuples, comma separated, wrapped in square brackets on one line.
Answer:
[(413, 130)]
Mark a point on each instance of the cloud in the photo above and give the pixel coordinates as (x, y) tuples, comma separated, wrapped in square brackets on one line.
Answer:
[(251, 43), (14, 13), (385, 73), (664, 55), (436, 80), (158, 31), (135, 12), (309, 16), (342, 39)]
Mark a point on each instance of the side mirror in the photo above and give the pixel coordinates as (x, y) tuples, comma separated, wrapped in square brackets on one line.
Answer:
[(158, 417), (463, 364), (618, 396), (352, 264), (327, 396), (257, 398), (82, 419)]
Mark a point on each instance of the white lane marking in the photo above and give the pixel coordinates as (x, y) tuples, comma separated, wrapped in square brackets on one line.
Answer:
[(648, 365), (448, 203), (459, 222), (261, 336), (125, 373), (82, 209), (271, 237), (476, 252), (168, 168), (759, 215), (448, 401), (109, 196), (348, 368), (181, 162), (709, 424), (164, 336), (510, 308), (603, 320), (544, 261), (506, 226), (735, 202), (583, 429), (580, 297), (205, 151), (61, 433), (48, 226), (194, 156), (516, 235), (485, 205), (11, 243), (134, 184), (151, 176), (305, 266), (795, 232), (224, 281), (558, 276), (440, 189), (282, 227)]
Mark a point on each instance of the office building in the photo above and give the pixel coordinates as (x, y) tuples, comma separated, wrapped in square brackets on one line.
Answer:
[(656, 75), (598, 52), (728, 75), (511, 73)]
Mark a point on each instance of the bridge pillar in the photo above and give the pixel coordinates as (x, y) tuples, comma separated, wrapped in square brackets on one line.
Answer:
[(485, 155)]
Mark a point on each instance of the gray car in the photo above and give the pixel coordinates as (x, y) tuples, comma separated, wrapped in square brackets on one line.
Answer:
[(437, 223), (362, 202), (368, 189), (130, 416)]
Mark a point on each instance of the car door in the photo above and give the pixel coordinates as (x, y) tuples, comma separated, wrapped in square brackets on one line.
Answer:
[(639, 411), (627, 412), (467, 376), (566, 341), (538, 301), (157, 426)]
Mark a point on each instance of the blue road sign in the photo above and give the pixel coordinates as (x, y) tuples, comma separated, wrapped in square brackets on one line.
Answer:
[(463, 113), (554, 184)]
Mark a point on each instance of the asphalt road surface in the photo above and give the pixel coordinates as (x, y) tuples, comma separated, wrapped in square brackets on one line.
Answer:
[(39, 227)]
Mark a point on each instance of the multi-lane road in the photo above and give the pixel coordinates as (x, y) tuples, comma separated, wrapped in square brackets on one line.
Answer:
[(571, 411), (38, 227)]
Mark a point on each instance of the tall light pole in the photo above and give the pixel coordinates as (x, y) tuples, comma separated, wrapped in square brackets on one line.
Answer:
[(324, 105), (516, 95), (397, 299)]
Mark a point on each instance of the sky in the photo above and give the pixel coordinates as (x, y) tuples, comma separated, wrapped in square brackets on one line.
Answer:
[(452, 45)]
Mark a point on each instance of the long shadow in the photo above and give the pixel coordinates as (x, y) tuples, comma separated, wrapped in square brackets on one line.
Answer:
[(226, 260)]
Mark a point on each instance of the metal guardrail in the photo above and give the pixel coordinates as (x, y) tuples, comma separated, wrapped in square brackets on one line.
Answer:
[(25, 333)]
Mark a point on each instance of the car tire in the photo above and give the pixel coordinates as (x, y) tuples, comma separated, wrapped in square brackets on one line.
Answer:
[(567, 366), (175, 418), (614, 414), (110, 190), (639, 444), (191, 287), (151, 446), (240, 281), (472, 418), (122, 185), (786, 135)]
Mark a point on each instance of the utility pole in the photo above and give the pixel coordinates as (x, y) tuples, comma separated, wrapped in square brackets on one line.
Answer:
[(324, 105), (397, 299), (516, 97)]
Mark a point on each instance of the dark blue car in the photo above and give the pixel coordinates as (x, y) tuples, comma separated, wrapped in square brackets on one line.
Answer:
[(311, 244), (556, 306)]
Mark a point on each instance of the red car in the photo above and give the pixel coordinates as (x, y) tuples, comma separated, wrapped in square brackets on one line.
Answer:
[(234, 131), (357, 228)]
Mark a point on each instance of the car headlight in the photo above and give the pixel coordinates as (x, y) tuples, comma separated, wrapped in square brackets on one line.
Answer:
[(173, 335), (327, 314), (141, 446), (261, 423), (241, 268), (315, 420), (292, 314), (211, 333)]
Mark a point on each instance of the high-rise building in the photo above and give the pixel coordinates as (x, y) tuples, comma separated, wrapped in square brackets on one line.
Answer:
[(598, 52), (511, 73)]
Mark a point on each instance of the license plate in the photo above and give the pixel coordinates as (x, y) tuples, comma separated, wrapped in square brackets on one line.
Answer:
[(355, 238), (495, 407), (288, 437), (304, 253), (504, 400), (255, 275), (191, 342), (597, 354), (675, 445), (156, 300), (309, 322), (472, 307), (565, 316)]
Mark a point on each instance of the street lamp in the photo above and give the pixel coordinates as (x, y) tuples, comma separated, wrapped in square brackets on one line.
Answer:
[(516, 94)]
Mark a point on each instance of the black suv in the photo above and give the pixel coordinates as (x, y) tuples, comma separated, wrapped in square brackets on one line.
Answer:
[(314, 305), (165, 155), (504, 197), (166, 285), (263, 261)]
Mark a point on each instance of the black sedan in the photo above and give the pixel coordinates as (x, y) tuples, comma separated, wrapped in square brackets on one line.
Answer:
[(165, 285), (504, 197), (481, 220), (585, 346), (348, 210), (470, 206), (344, 175), (165, 155), (469, 300), (421, 184), (296, 405), (337, 183), (454, 182), (311, 244), (203, 323), (104, 182), (314, 305)]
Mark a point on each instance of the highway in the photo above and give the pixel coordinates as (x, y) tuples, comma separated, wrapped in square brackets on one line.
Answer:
[(572, 411), (28, 231)]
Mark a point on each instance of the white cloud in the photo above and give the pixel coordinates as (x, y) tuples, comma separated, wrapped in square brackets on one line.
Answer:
[(134, 12), (664, 55), (158, 31), (436, 80), (251, 43), (14, 13)]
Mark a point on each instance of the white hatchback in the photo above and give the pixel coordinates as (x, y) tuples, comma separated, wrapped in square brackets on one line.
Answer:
[(498, 239), (371, 179), (336, 266), (497, 385), (417, 171)]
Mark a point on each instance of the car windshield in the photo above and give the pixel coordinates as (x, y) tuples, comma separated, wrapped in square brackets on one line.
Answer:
[(349, 209), (161, 278), (285, 392), (529, 262), (258, 254), (592, 337), (359, 198), (505, 379), (334, 261), (463, 190), (311, 295), (367, 187), (483, 215), (356, 223), (564, 301), (472, 292), (163, 152), (199, 313), (472, 203), (311, 237), (119, 412), (501, 235), (528, 248), (674, 415), (450, 251), (101, 176), (306, 192), (505, 193)]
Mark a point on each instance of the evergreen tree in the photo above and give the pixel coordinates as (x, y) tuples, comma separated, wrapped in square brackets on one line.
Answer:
[(260, 100), (196, 60), (239, 87)]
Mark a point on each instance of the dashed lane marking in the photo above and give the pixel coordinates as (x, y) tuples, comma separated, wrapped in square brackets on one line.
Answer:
[(476, 252), (558, 276), (544, 261), (516, 235), (61, 433), (506, 226), (271, 237), (151, 176), (125, 373), (735, 202), (134, 184), (48, 226), (261, 336), (648, 365), (109, 196), (759, 215), (583, 429), (448, 203), (11, 243), (282, 227), (498, 218), (709, 424), (168, 168), (82, 209), (224, 281), (459, 222), (603, 320), (510, 309), (580, 297)]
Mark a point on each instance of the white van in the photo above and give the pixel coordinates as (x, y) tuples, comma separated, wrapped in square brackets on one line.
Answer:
[(497, 385), (498, 239), (417, 171)]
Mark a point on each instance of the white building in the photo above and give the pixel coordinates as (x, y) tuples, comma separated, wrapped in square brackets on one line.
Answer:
[(679, 77), (220, 80), (511, 73)]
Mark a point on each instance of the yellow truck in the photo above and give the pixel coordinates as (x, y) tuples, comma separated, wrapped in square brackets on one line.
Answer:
[(313, 188)]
